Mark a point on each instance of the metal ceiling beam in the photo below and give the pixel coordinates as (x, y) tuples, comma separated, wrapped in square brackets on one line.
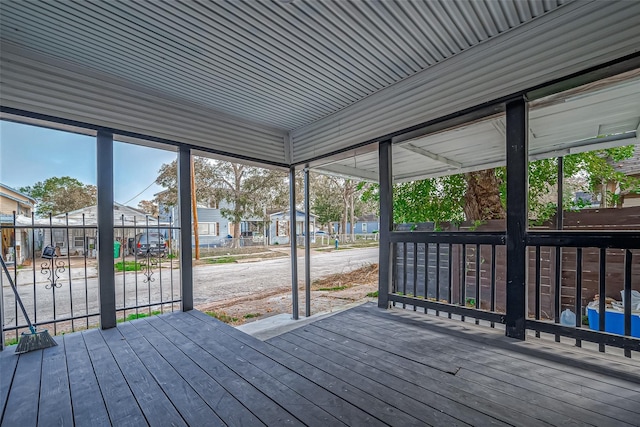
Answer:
[(438, 158), (348, 171)]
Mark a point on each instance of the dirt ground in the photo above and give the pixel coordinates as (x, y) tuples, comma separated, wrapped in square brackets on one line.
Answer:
[(327, 294)]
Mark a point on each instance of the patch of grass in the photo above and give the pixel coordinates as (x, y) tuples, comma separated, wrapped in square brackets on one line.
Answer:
[(252, 315), (373, 294), (221, 316), (222, 260), (11, 341), (128, 266), (135, 316), (335, 288)]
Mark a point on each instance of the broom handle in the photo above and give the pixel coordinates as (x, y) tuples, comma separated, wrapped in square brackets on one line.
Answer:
[(15, 291)]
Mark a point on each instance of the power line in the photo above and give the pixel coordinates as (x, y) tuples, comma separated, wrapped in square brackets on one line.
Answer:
[(148, 186)]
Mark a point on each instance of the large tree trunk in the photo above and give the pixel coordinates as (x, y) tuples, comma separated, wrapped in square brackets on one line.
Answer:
[(482, 198)]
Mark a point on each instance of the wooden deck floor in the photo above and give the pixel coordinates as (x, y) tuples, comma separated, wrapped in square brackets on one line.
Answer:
[(363, 367)]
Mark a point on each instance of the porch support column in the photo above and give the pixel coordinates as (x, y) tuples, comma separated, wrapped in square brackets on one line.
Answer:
[(106, 277), (307, 245), (293, 219), (184, 202), (386, 222), (517, 208)]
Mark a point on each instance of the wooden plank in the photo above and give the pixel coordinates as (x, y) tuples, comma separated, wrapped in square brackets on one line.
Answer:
[(464, 400), (272, 360), (551, 360), (253, 400), (157, 408), (426, 405), (8, 363), (22, 403), (55, 395), (88, 406), (576, 370), (218, 345), (376, 407), (121, 405), (196, 396), (482, 361), (465, 392), (617, 371), (341, 409)]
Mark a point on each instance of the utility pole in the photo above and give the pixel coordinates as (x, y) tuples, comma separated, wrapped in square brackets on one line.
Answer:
[(194, 207)]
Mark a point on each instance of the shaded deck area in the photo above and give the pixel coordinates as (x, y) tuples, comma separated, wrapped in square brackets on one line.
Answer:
[(364, 366)]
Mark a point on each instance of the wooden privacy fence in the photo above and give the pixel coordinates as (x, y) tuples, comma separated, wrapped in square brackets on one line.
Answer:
[(462, 263)]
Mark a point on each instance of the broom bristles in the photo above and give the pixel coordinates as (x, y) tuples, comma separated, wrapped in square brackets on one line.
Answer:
[(38, 341)]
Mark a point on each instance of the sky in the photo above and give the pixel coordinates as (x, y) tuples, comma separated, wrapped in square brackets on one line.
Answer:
[(29, 154)]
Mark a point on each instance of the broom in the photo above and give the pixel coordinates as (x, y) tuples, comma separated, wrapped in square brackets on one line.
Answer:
[(33, 340)]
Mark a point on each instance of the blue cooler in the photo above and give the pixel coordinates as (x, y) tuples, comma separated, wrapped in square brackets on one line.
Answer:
[(613, 321)]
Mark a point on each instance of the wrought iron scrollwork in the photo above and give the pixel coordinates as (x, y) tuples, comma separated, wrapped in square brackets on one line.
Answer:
[(52, 267), (148, 263)]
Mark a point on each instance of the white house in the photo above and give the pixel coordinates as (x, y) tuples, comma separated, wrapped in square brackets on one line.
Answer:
[(279, 226)]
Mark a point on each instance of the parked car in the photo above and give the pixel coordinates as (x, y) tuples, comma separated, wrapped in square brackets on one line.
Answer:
[(151, 243)]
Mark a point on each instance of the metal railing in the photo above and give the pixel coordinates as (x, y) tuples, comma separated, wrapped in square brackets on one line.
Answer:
[(147, 274), (54, 266), (464, 273), (438, 271)]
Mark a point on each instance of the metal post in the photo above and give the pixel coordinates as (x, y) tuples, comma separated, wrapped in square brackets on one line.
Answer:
[(106, 278), (558, 250), (184, 202), (293, 216), (517, 188), (559, 201), (386, 222), (307, 246)]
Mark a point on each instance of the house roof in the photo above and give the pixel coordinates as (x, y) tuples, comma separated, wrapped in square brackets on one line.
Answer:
[(30, 199), (122, 214), (630, 166), (368, 218), (290, 82), (286, 212)]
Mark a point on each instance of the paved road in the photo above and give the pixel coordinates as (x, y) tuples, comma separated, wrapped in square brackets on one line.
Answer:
[(211, 283)]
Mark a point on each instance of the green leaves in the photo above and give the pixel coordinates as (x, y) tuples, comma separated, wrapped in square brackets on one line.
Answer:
[(57, 195)]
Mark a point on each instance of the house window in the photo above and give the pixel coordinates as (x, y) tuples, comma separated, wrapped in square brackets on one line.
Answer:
[(58, 238), (364, 227), (78, 242), (208, 228), (282, 228)]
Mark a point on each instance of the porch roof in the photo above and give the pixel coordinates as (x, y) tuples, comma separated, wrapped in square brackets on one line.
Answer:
[(292, 81)]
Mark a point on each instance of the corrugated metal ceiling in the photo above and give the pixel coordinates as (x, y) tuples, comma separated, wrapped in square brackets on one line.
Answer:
[(574, 121), (288, 81), (283, 64)]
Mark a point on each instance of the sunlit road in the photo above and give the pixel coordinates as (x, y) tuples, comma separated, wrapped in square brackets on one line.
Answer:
[(211, 283)]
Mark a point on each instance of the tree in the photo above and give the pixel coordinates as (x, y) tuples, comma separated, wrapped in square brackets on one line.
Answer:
[(326, 203), (149, 207), (482, 195), (336, 199), (57, 195), (205, 182), (248, 190)]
